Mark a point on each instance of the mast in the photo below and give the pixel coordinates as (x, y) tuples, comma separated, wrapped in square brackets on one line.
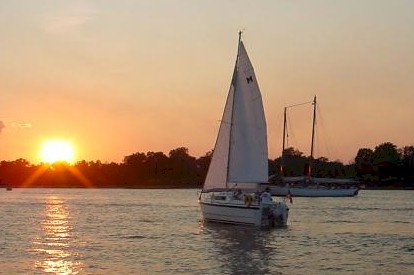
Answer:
[(282, 166), (234, 82), (313, 136)]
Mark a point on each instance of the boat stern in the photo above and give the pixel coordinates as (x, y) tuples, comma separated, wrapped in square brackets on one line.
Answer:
[(275, 215)]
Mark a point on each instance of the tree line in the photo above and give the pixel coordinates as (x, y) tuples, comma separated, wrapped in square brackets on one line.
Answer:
[(384, 165), (178, 169)]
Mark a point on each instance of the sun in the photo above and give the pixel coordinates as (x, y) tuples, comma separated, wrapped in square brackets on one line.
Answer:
[(57, 150)]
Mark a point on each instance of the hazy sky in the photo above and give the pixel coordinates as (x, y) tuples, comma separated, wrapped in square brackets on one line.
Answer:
[(119, 77)]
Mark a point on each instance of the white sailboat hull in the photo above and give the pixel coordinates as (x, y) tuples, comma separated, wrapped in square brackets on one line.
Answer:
[(236, 211), (313, 192), (227, 213)]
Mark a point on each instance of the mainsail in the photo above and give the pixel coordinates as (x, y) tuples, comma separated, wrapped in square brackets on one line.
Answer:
[(240, 154)]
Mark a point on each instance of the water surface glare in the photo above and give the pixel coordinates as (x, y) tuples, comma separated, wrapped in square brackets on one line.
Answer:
[(122, 231)]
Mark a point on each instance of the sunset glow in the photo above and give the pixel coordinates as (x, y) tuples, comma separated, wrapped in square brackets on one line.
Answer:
[(120, 77), (57, 150)]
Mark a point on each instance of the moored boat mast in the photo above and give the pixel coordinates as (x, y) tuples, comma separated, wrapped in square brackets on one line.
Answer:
[(313, 138)]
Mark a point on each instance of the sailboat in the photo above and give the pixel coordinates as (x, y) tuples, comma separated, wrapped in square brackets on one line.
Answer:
[(232, 191), (308, 186)]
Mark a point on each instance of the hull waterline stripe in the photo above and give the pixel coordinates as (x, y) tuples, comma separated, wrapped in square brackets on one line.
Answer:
[(231, 206)]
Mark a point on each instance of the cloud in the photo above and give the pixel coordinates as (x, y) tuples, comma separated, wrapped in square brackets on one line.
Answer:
[(21, 125), (70, 19), (2, 126), (66, 24)]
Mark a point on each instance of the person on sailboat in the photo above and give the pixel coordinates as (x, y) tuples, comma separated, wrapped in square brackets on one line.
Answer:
[(266, 197), (238, 194)]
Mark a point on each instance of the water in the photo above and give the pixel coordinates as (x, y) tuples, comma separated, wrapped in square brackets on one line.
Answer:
[(115, 231)]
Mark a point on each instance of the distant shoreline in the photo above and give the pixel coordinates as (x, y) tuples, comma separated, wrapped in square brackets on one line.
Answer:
[(385, 188)]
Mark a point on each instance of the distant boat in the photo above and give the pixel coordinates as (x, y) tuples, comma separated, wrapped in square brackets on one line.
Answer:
[(307, 186), (315, 187), (232, 190)]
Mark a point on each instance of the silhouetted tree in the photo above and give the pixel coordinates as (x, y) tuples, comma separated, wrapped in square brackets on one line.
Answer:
[(202, 165), (386, 159), (134, 170), (158, 164), (183, 163), (294, 163), (364, 164), (408, 162)]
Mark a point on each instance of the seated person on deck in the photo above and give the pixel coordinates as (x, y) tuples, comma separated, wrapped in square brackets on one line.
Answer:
[(266, 197), (238, 194)]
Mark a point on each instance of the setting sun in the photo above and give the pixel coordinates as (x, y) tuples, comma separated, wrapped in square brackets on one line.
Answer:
[(57, 150)]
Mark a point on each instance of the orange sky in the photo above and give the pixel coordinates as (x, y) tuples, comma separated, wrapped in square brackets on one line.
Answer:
[(118, 77)]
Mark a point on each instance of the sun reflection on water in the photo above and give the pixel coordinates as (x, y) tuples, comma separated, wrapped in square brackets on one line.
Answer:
[(53, 247)]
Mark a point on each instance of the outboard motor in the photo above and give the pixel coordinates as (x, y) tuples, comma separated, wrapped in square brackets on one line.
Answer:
[(280, 213)]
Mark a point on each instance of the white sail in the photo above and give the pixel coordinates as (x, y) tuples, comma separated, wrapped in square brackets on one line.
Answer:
[(248, 146), (217, 171), (240, 154)]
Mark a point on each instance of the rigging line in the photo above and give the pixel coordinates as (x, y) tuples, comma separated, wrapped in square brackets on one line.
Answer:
[(322, 127), (289, 129), (289, 124), (304, 103)]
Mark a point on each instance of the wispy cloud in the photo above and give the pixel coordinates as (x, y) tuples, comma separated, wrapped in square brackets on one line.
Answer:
[(21, 125), (70, 19), (2, 126)]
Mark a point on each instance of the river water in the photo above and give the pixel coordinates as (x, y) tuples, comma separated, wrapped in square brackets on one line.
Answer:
[(120, 231)]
